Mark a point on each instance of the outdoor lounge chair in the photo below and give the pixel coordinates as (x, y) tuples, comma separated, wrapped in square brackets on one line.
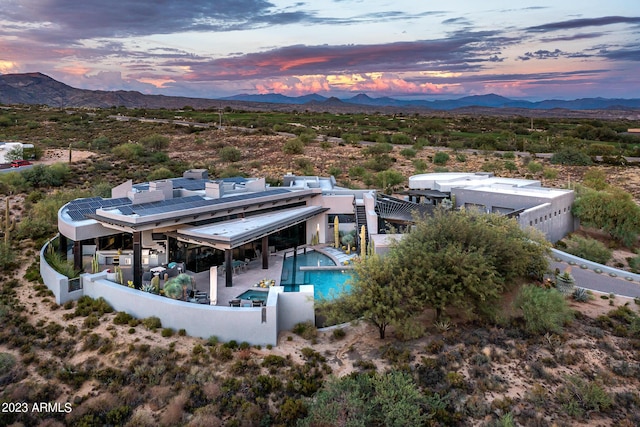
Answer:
[(257, 303), (234, 303)]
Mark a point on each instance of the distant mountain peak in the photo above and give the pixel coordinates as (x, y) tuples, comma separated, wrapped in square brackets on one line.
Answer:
[(38, 88)]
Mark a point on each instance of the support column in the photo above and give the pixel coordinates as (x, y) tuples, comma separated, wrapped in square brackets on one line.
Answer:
[(137, 259), (62, 246), (265, 253), (228, 271), (77, 255)]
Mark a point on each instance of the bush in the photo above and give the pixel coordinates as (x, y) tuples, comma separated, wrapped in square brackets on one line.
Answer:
[(305, 329), (230, 154), (440, 158), (534, 167), (408, 152), (293, 146), (152, 323), (122, 318), (571, 156), (578, 396), (543, 310), (588, 248)]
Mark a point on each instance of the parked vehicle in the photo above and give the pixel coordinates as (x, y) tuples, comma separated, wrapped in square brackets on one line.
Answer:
[(19, 163)]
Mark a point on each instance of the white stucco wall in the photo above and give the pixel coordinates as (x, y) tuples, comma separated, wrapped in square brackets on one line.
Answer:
[(198, 320)]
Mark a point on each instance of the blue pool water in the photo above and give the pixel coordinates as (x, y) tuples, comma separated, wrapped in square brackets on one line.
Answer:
[(253, 295), (327, 283)]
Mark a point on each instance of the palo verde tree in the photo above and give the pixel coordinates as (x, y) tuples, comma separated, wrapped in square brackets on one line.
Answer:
[(374, 295), (467, 259)]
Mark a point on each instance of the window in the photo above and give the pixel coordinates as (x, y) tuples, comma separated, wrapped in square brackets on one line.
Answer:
[(530, 223)]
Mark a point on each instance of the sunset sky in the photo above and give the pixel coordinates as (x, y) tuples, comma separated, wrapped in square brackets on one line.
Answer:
[(537, 49)]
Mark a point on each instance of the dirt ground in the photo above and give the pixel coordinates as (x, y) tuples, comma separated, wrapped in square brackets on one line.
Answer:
[(58, 155)]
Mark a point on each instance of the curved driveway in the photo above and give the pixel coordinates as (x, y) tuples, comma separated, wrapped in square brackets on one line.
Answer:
[(601, 282)]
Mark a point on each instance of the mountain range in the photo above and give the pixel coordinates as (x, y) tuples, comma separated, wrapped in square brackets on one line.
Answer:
[(40, 89)]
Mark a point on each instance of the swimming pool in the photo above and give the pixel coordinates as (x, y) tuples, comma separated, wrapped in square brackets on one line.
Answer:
[(326, 282), (253, 295)]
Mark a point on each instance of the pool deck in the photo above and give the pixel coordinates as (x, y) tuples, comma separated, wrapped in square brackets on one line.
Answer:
[(248, 277)]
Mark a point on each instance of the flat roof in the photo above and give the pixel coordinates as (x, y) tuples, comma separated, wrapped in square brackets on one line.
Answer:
[(234, 233)]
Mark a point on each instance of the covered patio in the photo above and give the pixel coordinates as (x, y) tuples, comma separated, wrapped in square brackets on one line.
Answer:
[(228, 235)]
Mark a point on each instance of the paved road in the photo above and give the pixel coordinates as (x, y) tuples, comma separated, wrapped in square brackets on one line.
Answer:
[(602, 282)]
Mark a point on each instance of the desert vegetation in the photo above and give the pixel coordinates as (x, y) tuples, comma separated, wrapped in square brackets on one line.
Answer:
[(446, 358)]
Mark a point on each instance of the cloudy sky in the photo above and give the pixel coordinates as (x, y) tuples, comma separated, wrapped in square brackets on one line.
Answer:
[(533, 49)]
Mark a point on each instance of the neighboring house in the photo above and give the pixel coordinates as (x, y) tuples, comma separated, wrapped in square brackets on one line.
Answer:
[(546, 209), (10, 147)]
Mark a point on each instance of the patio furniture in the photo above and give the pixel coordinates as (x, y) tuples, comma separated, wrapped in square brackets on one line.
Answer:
[(234, 303), (158, 270), (257, 303)]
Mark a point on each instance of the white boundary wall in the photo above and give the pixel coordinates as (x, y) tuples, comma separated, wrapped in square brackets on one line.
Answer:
[(257, 326)]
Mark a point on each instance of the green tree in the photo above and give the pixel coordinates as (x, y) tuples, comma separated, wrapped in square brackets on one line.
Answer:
[(14, 154), (611, 210), (155, 142), (467, 259), (375, 295)]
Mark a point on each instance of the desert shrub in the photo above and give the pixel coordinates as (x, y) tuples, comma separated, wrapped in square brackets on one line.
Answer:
[(167, 332), (306, 330), (543, 310), (356, 171), (334, 171), (152, 323), (440, 158), (420, 165), (634, 264), (401, 139), (571, 156), (581, 295), (578, 397), (510, 166), (7, 362), (293, 146), (230, 154), (588, 248), (378, 149), (275, 361), (122, 318), (338, 333), (155, 142), (534, 167), (408, 152), (91, 321), (380, 162), (160, 173), (129, 151), (549, 173)]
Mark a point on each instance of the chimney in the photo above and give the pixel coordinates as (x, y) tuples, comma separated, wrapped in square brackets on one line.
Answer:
[(214, 189)]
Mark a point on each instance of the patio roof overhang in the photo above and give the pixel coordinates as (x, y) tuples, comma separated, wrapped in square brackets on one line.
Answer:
[(237, 232)]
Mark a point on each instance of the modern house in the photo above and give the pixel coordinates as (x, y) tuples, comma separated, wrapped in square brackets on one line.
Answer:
[(7, 147), (204, 225), (545, 209)]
